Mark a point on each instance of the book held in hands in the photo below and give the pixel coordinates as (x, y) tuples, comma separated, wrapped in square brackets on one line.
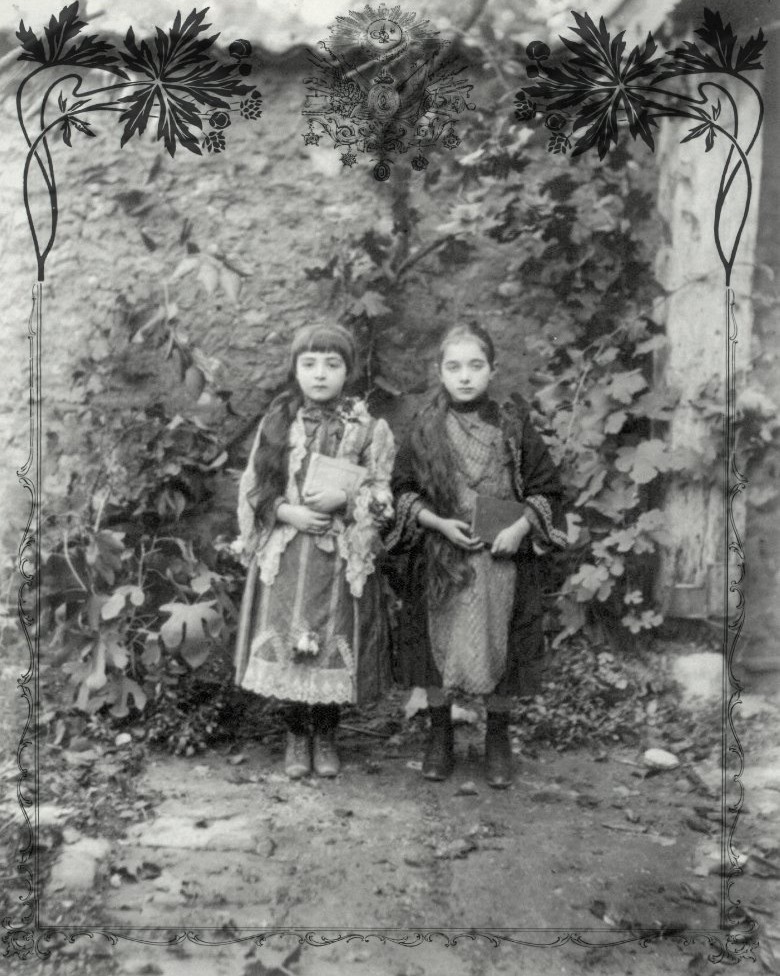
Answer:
[(492, 515), (333, 472)]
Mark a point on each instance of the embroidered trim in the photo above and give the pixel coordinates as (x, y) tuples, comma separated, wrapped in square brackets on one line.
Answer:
[(406, 530), (290, 683), (542, 509)]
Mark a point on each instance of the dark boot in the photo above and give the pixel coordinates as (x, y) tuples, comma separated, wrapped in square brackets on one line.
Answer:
[(439, 757), (498, 751), (325, 720), (297, 755)]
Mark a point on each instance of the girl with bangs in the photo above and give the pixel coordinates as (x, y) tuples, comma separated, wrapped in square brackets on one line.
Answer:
[(471, 612), (312, 629)]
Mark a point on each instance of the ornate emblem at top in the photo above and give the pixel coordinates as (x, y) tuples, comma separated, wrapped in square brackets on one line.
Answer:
[(386, 84)]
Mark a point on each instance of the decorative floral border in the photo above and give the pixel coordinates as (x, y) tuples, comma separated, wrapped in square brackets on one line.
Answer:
[(586, 100), (595, 90)]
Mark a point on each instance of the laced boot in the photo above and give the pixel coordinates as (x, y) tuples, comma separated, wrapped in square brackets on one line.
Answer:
[(297, 755), (498, 751), (439, 758), (325, 720)]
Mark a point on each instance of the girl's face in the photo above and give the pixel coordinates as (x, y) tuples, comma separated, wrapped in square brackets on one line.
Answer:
[(465, 370), (320, 375)]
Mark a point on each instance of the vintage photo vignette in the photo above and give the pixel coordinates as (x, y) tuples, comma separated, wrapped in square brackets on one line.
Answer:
[(580, 118)]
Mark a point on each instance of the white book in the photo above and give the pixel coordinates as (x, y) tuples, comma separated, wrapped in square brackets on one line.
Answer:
[(333, 472)]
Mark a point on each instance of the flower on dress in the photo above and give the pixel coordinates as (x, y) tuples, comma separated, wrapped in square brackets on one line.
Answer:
[(450, 140), (308, 643)]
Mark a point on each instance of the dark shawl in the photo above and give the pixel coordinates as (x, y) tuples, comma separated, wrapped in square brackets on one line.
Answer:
[(536, 483)]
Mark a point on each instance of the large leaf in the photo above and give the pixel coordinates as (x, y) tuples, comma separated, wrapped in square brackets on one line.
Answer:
[(191, 629), (89, 52), (644, 461)]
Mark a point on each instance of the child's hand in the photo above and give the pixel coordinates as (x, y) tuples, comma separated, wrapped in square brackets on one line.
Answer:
[(508, 540), (304, 519), (325, 500), (458, 534)]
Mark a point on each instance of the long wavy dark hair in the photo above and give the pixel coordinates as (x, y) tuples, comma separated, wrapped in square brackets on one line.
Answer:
[(273, 449), (433, 463)]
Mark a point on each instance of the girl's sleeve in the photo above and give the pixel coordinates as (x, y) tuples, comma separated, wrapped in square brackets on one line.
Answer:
[(375, 494), (406, 531), (542, 491), (369, 507)]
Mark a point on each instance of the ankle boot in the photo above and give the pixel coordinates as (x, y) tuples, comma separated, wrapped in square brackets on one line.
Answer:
[(325, 720), (297, 754), (439, 757), (498, 751)]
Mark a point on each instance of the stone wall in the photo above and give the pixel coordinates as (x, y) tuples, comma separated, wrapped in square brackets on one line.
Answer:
[(263, 212)]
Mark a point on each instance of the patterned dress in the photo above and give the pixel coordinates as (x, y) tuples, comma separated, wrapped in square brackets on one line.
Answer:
[(487, 637), (312, 625), (469, 631)]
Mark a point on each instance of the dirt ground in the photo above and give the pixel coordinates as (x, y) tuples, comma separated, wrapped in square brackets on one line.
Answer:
[(587, 849)]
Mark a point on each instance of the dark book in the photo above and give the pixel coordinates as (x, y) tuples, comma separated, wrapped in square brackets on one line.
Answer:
[(491, 515)]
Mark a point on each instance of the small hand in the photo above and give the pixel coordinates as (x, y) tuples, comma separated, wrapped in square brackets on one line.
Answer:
[(305, 519), (325, 500), (508, 540), (458, 534)]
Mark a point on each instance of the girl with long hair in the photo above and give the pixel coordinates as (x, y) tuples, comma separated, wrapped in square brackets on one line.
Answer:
[(312, 628), (471, 613)]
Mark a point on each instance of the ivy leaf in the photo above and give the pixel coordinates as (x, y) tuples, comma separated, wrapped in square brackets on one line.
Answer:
[(616, 500), (656, 404), (589, 580), (644, 461), (592, 489), (623, 386), (614, 422)]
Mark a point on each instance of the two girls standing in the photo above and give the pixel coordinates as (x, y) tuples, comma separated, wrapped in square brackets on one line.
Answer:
[(312, 627)]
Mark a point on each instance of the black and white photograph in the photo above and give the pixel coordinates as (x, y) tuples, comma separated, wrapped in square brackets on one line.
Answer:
[(391, 526)]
